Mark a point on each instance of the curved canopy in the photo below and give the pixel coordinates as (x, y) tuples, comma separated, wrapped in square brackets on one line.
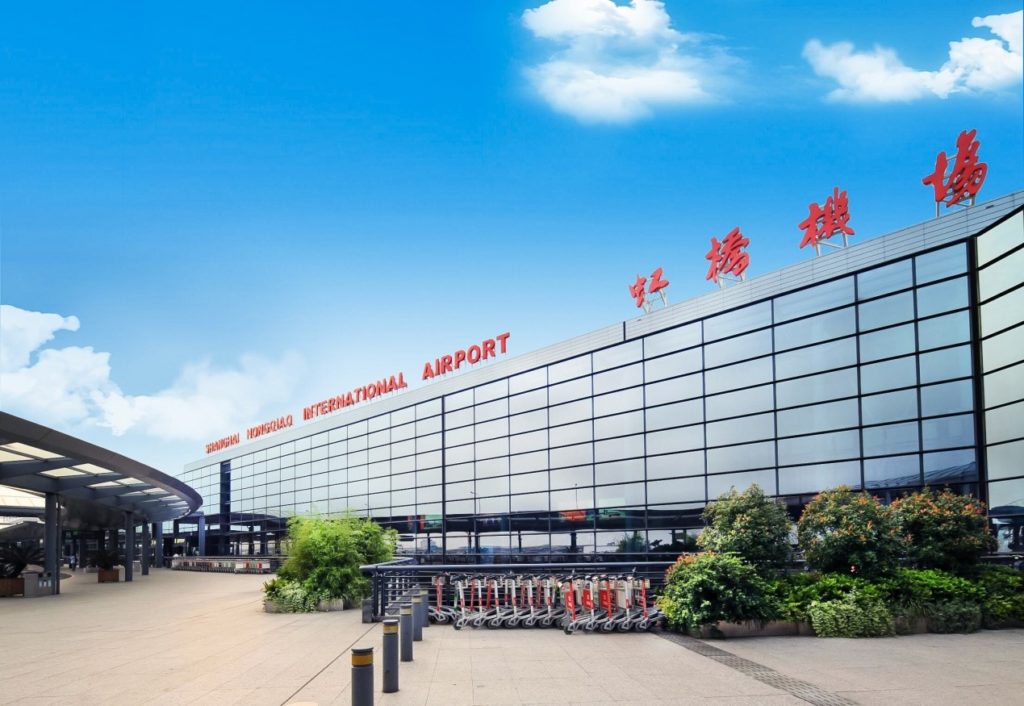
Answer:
[(39, 459)]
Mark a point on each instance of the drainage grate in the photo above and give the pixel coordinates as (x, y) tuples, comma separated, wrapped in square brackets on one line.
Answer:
[(766, 675)]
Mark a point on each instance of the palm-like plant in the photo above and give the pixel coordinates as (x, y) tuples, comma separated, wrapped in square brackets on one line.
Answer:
[(14, 558)]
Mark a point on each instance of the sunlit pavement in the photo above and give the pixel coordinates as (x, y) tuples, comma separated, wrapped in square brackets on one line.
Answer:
[(195, 638)]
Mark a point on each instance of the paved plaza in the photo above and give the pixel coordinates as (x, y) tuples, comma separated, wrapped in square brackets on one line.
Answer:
[(190, 638)]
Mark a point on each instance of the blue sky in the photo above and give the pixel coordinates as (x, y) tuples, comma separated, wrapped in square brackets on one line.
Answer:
[(249, 207)]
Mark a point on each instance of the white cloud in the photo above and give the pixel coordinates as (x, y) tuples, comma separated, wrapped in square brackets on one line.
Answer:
[(974, 65), (73, 385), (618, 63)]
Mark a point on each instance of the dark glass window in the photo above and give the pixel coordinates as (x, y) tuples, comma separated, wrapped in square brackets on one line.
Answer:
[(811, 479), (889, 374), (676, 490), (946, 398), (950, 467), (948, 432), (719, 484), (887, 343), (891, 439), (889, 407), (886, 311), (945, 364), (576, 476), (835, 354), (689, 463), (944, 330), (619, 447), (621, 495), (892, 471), (741, 430), (737, 458), (619, 471), (819, 447), (817, 388), (941, 263), (944, 296), (821, 417), (670, 440)]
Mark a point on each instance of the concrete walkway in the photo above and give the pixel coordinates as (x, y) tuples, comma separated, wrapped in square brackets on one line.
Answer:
[(188, 638)]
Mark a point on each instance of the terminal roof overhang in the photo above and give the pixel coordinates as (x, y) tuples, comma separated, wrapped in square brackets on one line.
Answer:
[(42, 460)]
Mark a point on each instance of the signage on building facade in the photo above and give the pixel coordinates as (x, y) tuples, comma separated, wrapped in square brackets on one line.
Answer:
[(489, 348), (657, 286), (823, 222), (728, 259), (959, 182)]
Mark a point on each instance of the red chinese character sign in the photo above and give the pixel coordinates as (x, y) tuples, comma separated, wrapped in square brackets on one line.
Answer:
[(728, 259), (657, 286), (824, 222), (959, 181)]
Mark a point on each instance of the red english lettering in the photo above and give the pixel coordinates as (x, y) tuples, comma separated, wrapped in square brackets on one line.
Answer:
[(460, 357), (503, 339), (489, 349)]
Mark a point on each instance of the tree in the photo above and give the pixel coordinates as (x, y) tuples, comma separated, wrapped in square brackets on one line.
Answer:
[(845, 531), (944, 530), (750, 524)]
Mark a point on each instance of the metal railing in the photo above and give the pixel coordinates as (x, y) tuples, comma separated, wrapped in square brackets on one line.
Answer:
[(227, 564), (394, 581)]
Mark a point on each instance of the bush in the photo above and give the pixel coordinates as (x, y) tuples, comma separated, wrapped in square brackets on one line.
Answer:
[(944, 530), (844, 531), (954, 616), (750, 524), (290, 596), (797, 592), (707, 588), (324, 556), (912, 591), (1002, 596), (855, 615)]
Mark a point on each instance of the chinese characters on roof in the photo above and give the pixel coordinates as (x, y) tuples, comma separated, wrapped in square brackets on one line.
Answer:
[(964, 177), (657, 286), (824, 222), (728, 259)]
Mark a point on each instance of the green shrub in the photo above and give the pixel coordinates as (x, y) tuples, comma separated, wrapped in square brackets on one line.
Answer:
[(751, 525), (944, 530), (1002, 595), (290, 596), (846, 532), (324, 555), (797, 592), (954, 616), (854, 615), (912, 591), (707, 588)]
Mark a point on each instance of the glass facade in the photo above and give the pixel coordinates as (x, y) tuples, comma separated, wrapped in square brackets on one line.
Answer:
[(864, 380)]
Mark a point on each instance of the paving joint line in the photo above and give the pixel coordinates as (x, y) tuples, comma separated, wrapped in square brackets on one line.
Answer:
[(805, 691), (324, 668)]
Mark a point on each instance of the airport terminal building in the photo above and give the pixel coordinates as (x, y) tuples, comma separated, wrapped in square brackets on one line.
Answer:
[(894, 363)]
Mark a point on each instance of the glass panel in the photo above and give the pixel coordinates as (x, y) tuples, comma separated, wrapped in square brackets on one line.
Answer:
[(893, 471), (883, 280), (734, 404), (572, 455), (814, 299), (947, 398), (525, 463), (815, 329), (572, 390), (676, 490), (835, 354), (948, 432), (887, 343), (1006, 497), (618, 378), (674, 415), (662, 392), (891, 439), (569, 369), (819, 447), (537, 502), (619, 471), (812, 479), (491, 391), (889, 407), (950, 467), (620, 495), (457, 400), (736, 458), (1002, 275), (944, 330), (817, 388), (490, 449), (571, 412), (528, 421), (531, 441), (745, 374), (739, 348), (738, 321), (528, 381), (1004, 423), (941, 263), (492, 429), (822, 417), (670, 465), (619, 425), (1000, 239), (945, 364), (672, 340), (1003, 349), (615, 356), (900, 372), (424, 409), (619, 402), (1002, 312), (886, 311), (491, 410), (943, 296), (574, 477), (571, 433), (527, 401), (1004, 460), (673, 365), (741, 429), (719, 484), (683, 439)]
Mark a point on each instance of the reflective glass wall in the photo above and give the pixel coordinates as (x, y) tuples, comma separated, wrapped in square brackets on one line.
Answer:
[(864, 381), (1000, 254)]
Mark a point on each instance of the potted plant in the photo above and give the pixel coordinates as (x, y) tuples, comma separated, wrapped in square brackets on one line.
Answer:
[(13, 560), (106, 560)]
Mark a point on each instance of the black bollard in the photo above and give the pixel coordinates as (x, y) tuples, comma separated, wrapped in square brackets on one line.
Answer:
[(426, 607), (405, 618), (362, 676), (390, 656), (417, 617)]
